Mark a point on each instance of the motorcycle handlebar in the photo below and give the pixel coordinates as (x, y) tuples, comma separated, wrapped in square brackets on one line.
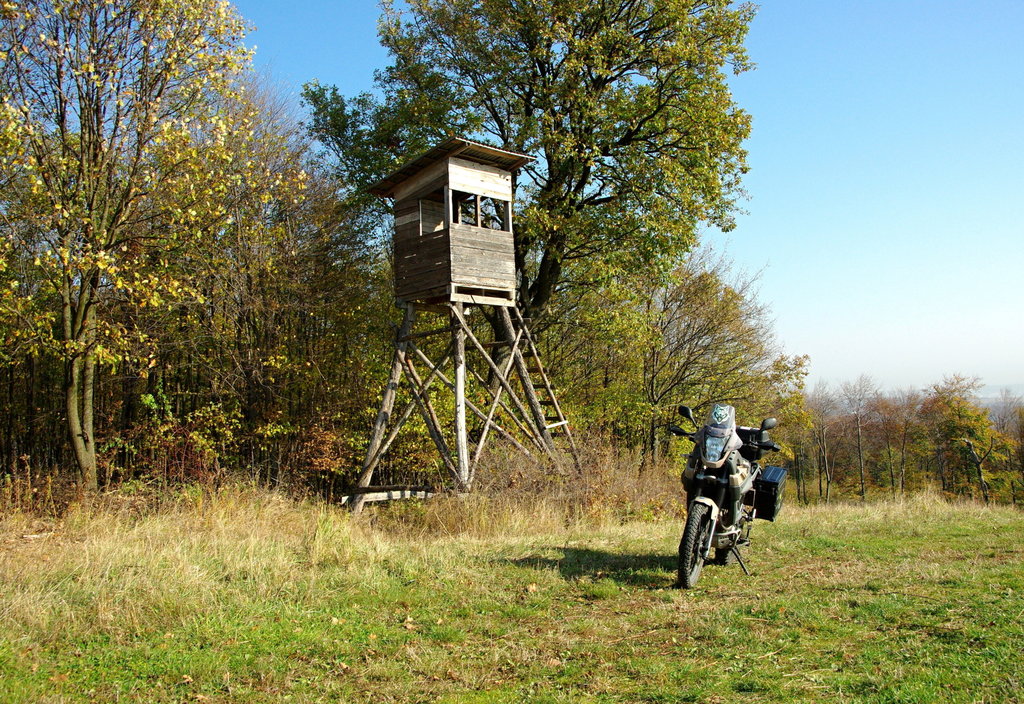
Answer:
[(676, 430)]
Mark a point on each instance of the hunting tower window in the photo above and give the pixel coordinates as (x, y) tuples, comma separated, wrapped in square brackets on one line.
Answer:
[(480, 211), (494, 214), (465, 208)]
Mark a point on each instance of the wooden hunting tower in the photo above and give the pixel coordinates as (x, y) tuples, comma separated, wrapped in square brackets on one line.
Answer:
[(453, 250), (453, 224)]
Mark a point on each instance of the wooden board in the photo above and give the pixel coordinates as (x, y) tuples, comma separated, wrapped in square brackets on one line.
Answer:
[(431, 271), (389, 495), (406, 219), (479, 179), (421, 181), (484, 250), (409, 233), (471, 266), (419, 291), (423, 268), (404, 207), (431, 216), (483, 300), (481, 281), (470, 233), (427, 250), (420, 295)]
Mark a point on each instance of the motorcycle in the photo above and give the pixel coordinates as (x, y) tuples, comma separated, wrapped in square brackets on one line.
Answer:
[(726, 489)]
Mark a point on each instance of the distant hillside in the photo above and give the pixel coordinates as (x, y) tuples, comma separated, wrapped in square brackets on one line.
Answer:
[(990, 396)]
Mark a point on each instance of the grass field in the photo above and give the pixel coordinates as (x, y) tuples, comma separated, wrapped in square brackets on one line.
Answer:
[(244, 596)]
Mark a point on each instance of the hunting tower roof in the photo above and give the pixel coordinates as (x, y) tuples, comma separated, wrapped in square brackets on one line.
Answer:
[(453, 146)]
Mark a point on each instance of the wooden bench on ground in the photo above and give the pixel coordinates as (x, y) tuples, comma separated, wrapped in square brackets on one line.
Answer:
[(389, 492)]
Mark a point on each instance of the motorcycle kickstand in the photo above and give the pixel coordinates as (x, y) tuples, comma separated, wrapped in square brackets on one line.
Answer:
[(739, 559)]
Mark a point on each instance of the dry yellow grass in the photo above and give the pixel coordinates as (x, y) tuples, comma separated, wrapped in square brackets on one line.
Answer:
[(241, 594)]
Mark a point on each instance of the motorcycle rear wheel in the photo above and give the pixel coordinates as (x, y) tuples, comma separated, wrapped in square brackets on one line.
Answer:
[(691, 546)]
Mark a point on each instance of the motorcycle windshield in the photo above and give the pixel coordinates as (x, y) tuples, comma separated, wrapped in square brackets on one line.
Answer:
[(721, 417)]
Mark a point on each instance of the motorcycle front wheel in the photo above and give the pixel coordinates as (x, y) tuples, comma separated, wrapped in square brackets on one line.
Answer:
[(691, 547)]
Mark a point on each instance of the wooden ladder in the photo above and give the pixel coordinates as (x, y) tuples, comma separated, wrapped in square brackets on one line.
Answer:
[(555, 419)]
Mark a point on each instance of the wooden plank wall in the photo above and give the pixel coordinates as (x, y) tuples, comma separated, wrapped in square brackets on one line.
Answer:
[(421, 181), (429, 259), (482, 258), (422, 261), (480, 179)]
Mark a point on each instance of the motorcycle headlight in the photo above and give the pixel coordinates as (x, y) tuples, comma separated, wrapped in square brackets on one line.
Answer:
[(713, 448)]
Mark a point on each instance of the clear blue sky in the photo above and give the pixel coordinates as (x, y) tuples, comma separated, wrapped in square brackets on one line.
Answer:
[(887, 193)]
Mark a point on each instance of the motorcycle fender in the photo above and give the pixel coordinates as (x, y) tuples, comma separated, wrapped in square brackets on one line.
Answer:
[(710, 504)]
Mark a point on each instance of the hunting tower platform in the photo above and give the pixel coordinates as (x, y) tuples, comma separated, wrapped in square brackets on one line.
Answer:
[(454, 250), (453, 224)]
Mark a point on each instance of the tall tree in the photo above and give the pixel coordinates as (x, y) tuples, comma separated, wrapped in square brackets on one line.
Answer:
[(712, 341), (116, 152), (960, 429), (624, 103), (856, 395), (823, 406), (899, 426)]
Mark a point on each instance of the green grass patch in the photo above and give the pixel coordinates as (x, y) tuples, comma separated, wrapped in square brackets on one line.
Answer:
[(252, 598)]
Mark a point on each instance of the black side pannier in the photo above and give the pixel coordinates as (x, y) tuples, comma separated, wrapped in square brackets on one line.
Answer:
[(768, 492)]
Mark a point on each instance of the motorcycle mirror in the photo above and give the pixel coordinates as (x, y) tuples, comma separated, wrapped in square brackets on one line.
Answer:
[(768, 423), (685, 412)]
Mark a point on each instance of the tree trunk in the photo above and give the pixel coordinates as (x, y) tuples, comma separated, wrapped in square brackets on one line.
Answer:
[(651, 443), (10, 454), (820, 488), (31, 421), (801, 478), (903, 463), (979, 460), (828, 473), (78, 401), (796, 472), (892, 469), (79, 380), (860, 460)]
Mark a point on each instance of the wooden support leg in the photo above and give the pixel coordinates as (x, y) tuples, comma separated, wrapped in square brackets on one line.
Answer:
[(519, 420), (430, 418), (503, 380), (532, 347), (490, 412), (474, 408), (407, 411), (461, 442), (386, 406)]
